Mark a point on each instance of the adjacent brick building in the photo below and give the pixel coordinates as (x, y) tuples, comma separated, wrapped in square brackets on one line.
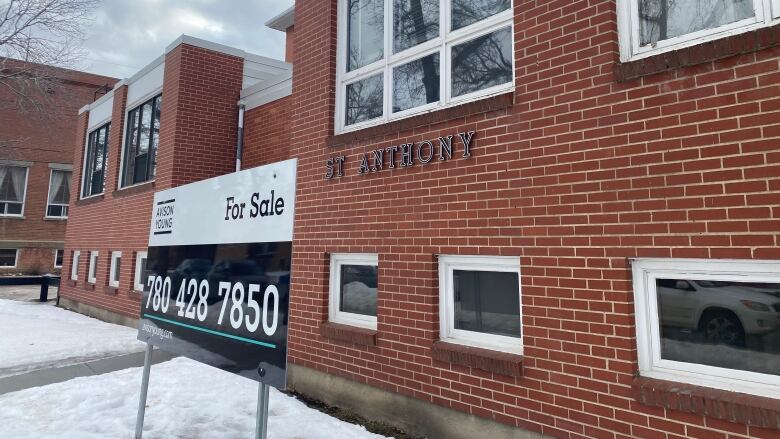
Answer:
[(558, 218), (38, 110)]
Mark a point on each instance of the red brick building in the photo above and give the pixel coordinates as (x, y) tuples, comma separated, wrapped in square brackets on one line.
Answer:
[(555, 218), (38, 109)]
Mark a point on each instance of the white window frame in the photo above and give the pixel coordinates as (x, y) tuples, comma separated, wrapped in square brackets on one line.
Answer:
[(48, 196), (57, 250), (447, 265), (441, 45), (24, 195), (16, 259), (337, 260), (74, 265), (628, 29), (92, 269), (115, 256), (645, 273), (138, 282), (137, 103)]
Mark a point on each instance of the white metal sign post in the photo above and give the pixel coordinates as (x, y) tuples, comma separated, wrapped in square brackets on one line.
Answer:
[(217, 277)]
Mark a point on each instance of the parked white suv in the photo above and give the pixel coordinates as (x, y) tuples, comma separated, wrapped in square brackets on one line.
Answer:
[(724, 312)]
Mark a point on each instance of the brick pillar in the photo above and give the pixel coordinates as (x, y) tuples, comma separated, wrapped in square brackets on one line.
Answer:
[(115, 139)]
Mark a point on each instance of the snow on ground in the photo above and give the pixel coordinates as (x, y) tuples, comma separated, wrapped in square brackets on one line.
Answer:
[(186, 400), (37, 335)]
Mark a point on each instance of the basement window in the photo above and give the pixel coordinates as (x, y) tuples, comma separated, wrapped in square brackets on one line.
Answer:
[(140, 266), (8, 257), (713, 323), (92, 271), (139, 156), (648, 27), (58, 255), (480, 302), (74, 265), (353, 289), (113, 275), (398, 58)]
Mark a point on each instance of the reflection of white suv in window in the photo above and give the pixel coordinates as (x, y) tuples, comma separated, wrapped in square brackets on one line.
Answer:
[(724, 312)]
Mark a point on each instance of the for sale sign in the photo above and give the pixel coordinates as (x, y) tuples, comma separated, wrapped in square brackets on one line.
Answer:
[(217, 276)]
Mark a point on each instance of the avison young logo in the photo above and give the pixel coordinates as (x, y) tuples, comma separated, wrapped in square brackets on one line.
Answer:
[(163, 217)]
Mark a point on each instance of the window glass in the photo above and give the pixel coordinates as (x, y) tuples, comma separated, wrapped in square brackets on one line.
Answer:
[(364, 99), (466, 12), (12, 187), (482, 63), (94, 165), (93, 259), (358, 289), (58, 254), (487, 301), (365, 32), (142, 141), (7, 257), (416, 83), (414, 22), (663, 19), (59, 193), (734, 325)]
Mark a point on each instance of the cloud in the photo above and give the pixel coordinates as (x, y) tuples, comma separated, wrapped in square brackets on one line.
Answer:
[(125, 35)]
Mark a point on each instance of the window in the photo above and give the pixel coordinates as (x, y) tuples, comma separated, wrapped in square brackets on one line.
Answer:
[(58, 255), (140, 266), (8, 257), (397, 58), (95, 161), (74, 265), (480, 302), (141, 140), (92, 273), (113, 275), (652, 26), (59, 194), (353, 289), (13, 185), (710, 323)]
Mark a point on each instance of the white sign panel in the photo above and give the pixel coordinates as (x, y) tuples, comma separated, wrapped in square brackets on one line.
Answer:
[(254, 205)]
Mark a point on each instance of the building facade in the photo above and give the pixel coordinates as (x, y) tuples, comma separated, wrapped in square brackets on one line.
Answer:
[(38, 109), (514, 218)]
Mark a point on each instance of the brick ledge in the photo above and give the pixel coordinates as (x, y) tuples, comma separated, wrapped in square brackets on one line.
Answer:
[(132, 190), (485, 359), (735, 407), (350, 334)]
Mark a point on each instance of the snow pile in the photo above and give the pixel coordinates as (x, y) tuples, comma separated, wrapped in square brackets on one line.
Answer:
[(186, 400), (38, 335)]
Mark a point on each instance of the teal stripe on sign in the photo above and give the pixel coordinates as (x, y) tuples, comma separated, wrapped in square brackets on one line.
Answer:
[(211, 331)]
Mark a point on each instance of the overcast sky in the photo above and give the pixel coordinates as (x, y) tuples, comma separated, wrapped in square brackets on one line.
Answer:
[(128, 34)]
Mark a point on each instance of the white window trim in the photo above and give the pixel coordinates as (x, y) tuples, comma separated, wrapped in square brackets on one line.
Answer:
[(16, 259), (138, 282), (74, 265), (441, 44), (115, 256), (346, 318), (55, 257), (92, 268), (448, 333), (645, 273), (123, 146), (84, 162), (48, 196), (628, 30), (24, 195)]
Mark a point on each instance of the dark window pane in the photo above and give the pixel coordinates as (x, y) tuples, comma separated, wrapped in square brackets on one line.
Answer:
[(414, 22), (88, 164), (728, 324), (364, 100), (155, 136), (143, 139), (139, 174), (58, 258), (131, 146), (416, 83), (7, 257), (97, 183), (663, 19), (13, 208), (487, 301), (116, 269), (55, 211), (358, 289), (466, 12), (365, 32), (482, 63), (146, 127)]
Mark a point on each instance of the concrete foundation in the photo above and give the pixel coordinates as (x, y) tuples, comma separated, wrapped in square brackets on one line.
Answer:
[(98, 313)]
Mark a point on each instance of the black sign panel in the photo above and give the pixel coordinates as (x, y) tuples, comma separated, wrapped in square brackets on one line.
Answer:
[(225, 305)]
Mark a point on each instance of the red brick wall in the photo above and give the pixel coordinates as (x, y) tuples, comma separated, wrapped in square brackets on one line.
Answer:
[(41, 134), (267, 133), (580, 174), (289, 44)]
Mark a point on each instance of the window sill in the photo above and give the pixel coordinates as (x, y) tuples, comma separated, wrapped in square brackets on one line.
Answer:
[(736, 407), (747, 42), (16, 217), (89, 200), (55, 218), (350, 334), (90, 286), (135, 189), (395, 128), (488, 360)]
